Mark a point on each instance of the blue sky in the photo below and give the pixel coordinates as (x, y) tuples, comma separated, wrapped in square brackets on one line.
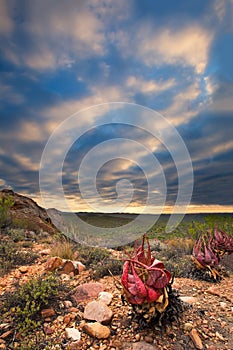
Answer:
[(174, 57)]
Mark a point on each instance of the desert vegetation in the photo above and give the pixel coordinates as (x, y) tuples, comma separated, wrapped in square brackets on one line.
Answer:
[(141, 273)]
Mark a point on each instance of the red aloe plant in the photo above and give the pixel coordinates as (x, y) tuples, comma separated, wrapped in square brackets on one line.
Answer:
[(209, 247), (144, 278), (223, 243)]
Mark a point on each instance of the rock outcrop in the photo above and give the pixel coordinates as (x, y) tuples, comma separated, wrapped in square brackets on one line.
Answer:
[(27, 211)]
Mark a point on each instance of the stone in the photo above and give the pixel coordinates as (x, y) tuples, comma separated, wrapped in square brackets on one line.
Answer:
[(223, 305), (67, 304), (142, 345), (48, 313), (76, 345), (97, 311), (196, 339), (48, 330), (53, 263), (79, 266), (66, 319), (67, 268), (188, 327), (188, 300), (88, 291), (149, 339), (97, 330), (105, 297), (45, 251), (23, 269), (73, 309), (73, 333), (213, 291)]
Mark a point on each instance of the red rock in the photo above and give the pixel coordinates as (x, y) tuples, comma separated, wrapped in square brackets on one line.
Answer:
[(213, 290), (67, 268), (53, 263), (73, 309), (48, 313), (196, 339), (76, 345), (23, 269), (48, 330), (66, 319), (88, 291)]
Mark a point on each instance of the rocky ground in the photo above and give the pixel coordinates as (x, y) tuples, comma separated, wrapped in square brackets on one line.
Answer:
[(86, 318)]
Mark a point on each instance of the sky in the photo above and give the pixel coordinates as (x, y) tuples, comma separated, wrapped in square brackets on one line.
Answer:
[(166, 66)]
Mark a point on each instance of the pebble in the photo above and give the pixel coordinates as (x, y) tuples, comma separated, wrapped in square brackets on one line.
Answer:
[(105, 297), (196, 339), (148, 339), (23, 269), (67, 304), (97, 330), (48, 313), (188, 300), (188, 327), (223, 305), (73, 333), (97, 311)]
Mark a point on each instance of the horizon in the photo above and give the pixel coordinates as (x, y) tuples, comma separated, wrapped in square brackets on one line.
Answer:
[(118, 106)]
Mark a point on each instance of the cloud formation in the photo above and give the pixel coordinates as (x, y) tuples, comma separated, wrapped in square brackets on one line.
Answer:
[(58, 59)]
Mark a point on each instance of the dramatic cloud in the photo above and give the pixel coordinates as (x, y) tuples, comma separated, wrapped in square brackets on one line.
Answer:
[(60, 58)]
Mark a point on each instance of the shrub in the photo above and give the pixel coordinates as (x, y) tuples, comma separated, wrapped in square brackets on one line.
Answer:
[(10, 257), (91, 256), (110, 267), (180, 246), (5, 204), (28, 300)]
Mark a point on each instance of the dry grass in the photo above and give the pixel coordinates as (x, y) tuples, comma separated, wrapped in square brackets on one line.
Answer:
[(64, 249), (182, 246)]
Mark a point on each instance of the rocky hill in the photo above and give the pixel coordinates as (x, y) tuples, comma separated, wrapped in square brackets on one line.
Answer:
[(26, 212)]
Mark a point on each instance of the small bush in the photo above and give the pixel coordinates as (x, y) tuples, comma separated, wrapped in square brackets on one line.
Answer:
[(179, 247), (16, 235), (28, 300), (10, 257), (25, 224), (5, 204), (109, 267), (91, 256)]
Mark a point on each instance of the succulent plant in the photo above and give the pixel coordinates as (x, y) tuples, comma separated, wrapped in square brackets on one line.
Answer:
[(223, 243), (208, 249), (144, 280)]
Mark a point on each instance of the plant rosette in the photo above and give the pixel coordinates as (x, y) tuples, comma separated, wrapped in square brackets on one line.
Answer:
[(146, 282)]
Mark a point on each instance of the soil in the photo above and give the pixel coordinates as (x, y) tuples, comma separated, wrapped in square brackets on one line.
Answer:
[(209, 310)]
